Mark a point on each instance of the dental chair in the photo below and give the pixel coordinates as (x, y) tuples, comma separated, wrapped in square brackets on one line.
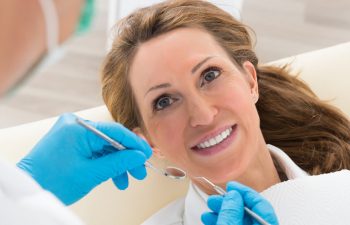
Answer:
[(325, 70)]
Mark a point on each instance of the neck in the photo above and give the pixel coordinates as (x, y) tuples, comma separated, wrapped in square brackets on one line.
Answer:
[(262, 173)]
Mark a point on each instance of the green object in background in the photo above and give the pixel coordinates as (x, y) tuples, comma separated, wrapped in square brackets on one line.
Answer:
[(86, 16)]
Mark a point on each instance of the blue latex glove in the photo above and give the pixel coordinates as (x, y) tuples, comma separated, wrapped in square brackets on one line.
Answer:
[(71, 160), (229, 209)]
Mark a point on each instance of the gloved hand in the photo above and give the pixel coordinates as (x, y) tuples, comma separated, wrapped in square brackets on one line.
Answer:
[(71, 160), (229, 209)]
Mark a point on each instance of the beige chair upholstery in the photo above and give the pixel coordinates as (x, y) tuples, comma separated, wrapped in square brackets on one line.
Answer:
[(327, 73), (325, 70)]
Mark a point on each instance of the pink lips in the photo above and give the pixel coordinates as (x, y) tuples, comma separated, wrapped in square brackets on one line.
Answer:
[(217, 148)]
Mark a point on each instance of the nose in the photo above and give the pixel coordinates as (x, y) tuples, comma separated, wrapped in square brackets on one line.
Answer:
[(201, 110)]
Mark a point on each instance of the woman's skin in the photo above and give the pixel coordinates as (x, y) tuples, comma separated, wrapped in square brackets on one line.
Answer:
[(188, 91)]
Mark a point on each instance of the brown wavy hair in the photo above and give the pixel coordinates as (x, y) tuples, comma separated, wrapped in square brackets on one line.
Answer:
[(313, 133)]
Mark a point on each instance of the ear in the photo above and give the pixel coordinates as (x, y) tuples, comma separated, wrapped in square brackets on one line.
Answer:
[(252, 79), (156, 151)]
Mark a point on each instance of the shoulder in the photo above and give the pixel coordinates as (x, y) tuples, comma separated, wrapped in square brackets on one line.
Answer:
[(172, 214)]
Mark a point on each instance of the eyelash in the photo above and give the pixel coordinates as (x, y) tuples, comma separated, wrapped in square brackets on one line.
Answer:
[(157, 100), (210, 68)]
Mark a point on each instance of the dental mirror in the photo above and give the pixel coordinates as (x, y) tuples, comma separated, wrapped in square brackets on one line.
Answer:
[(169, 171), (175, 173)]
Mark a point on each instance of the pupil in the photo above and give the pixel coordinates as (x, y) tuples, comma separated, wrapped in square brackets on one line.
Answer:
[(164, 102), (210, 76)]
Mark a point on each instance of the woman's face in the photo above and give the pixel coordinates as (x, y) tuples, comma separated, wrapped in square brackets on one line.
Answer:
[(197, 106)]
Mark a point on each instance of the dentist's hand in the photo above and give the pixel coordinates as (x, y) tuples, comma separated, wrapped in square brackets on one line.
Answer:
[(71, 160), (229, 209)]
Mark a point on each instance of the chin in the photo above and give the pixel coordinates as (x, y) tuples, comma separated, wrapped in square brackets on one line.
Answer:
[(224, 173)]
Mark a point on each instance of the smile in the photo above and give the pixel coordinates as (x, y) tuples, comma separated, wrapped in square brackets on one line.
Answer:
[(215, 140), (216, 143)]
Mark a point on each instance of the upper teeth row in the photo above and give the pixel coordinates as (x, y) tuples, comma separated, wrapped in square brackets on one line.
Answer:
[(215, 140)]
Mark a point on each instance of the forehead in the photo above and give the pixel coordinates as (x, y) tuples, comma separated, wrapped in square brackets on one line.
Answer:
[(171, 53), (186, 43)]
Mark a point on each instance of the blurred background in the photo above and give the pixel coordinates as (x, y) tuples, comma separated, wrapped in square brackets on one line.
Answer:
[(283, 28)]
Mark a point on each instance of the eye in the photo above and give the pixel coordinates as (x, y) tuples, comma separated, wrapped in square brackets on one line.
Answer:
[(210, 74), (162, 102)]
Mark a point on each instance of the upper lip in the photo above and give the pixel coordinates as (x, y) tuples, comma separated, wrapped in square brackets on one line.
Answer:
[(210, 135)]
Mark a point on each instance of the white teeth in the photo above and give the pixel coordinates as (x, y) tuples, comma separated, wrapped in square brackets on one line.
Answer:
[(219, 138), (227, 132), (215, 140)]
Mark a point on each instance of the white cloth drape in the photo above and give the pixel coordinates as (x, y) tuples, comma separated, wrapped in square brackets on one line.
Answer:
[(22, 201)]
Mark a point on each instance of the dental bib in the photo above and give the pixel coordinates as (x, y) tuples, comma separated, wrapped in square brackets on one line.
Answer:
[(322, 199)]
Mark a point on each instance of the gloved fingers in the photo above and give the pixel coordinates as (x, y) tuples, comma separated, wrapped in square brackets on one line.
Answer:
[(265, 211), (232, 209), (117, 163), (67, 122), (214, 202), (67, 130), (250, 196), (121, 181), (209, 218), (139, 172), (254, 201), (66, 118), (122, 135)]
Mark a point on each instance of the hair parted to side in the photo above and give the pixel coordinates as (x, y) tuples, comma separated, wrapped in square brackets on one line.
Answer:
[(313, 133)]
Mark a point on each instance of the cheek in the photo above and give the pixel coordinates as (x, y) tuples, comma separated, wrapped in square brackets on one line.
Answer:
[(238, 100), (248, 117), (237, 97), (166, 135)]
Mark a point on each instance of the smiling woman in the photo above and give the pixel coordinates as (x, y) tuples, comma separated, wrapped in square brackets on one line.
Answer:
[(183, 74)]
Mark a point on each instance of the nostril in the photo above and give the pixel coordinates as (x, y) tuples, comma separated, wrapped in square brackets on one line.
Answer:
[(202, 115)]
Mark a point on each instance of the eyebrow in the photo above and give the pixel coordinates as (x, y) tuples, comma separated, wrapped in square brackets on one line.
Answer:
[(165, 85), (194, 69)]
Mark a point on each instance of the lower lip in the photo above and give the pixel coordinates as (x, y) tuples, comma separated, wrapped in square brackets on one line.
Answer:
[(219, 147)]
